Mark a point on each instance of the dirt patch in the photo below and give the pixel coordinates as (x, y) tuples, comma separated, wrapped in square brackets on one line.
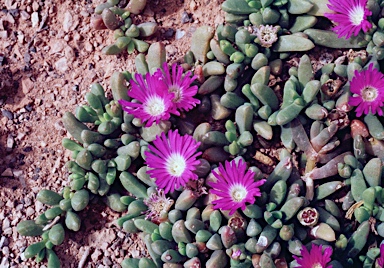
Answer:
[(49, 56)]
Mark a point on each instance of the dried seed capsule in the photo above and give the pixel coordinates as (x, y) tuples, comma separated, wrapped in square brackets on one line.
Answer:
[(308, 216)]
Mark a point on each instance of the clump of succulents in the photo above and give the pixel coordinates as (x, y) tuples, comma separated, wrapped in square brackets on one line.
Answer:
[(191, 145), (117, 15)]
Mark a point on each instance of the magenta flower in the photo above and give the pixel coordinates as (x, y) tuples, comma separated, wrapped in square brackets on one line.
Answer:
[(350, 17), (314, 259), (380, 260), (235, 186), (154, 100), (172, 160), (181, 86), (368, 89)]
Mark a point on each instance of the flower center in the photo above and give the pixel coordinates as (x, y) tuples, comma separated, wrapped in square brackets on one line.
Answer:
[(238, 192), (177, 92), (176, 165), (154, 106), (317, 265), (369, 93), (356, 15)]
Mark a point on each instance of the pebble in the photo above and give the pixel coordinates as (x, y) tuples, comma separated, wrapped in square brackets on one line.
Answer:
[(96, 255), (185, 17), (5, 250), (2, 241), (179, 34), (35, 19), (7, 173), (8, 231), (27, 201), (61, 65), (10, 142), (169, 33), (30, 211), (7, 114), (24, 15), (6, 224), (107, 261), (67, 22)]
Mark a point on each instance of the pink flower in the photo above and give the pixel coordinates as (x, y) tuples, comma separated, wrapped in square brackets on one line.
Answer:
[(235, 186), (314, 259), (350, 17), (154, 100), (172, 160), (380, 261), (181, 87), (368, 89)]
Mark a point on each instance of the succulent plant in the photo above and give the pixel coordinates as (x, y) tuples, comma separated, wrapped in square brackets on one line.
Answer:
[(323, 184)]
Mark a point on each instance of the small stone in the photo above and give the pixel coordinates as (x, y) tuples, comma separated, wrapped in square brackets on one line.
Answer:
[(24, 15), (27, 85), (17, 173), (7, 114), (96, 255), (61, 65), (35, 19), (6, 224), (67, 22), (5, 251), (107, 261), (185, 17), (179, 34), (35, 6), (7, 173), (30, 211), (8, 231), (88, 47), (10, 142), (3, 34), (193, 6), (169, 33)]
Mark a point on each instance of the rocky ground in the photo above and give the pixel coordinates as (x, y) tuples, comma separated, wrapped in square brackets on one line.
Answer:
[(49, 56)]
